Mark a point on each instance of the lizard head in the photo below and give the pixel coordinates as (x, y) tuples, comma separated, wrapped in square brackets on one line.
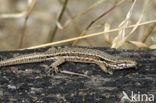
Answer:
[(125, 63)]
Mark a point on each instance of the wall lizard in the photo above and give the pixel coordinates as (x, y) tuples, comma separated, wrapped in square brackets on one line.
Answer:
[(74, 54)]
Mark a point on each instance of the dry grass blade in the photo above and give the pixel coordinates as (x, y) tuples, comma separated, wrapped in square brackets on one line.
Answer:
[(86, 36), (97, 26), (99, 17), (83, 33), (153, 46), (119, 43), (25, 22), (149, 31), (139, 44), (69, 14), (123, 25), (59, 25), (14, 15), (53, 33), (106, 35), (83, 12), (153, 39)]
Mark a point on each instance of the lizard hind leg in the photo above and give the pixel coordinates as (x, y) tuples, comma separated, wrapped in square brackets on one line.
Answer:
[(104, 68), (55, 64)]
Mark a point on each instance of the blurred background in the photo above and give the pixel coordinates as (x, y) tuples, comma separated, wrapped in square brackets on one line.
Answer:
[(27, 23)]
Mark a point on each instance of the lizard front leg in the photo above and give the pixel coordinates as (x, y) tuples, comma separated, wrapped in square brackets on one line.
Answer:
[(55, 64), (103, 67)]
